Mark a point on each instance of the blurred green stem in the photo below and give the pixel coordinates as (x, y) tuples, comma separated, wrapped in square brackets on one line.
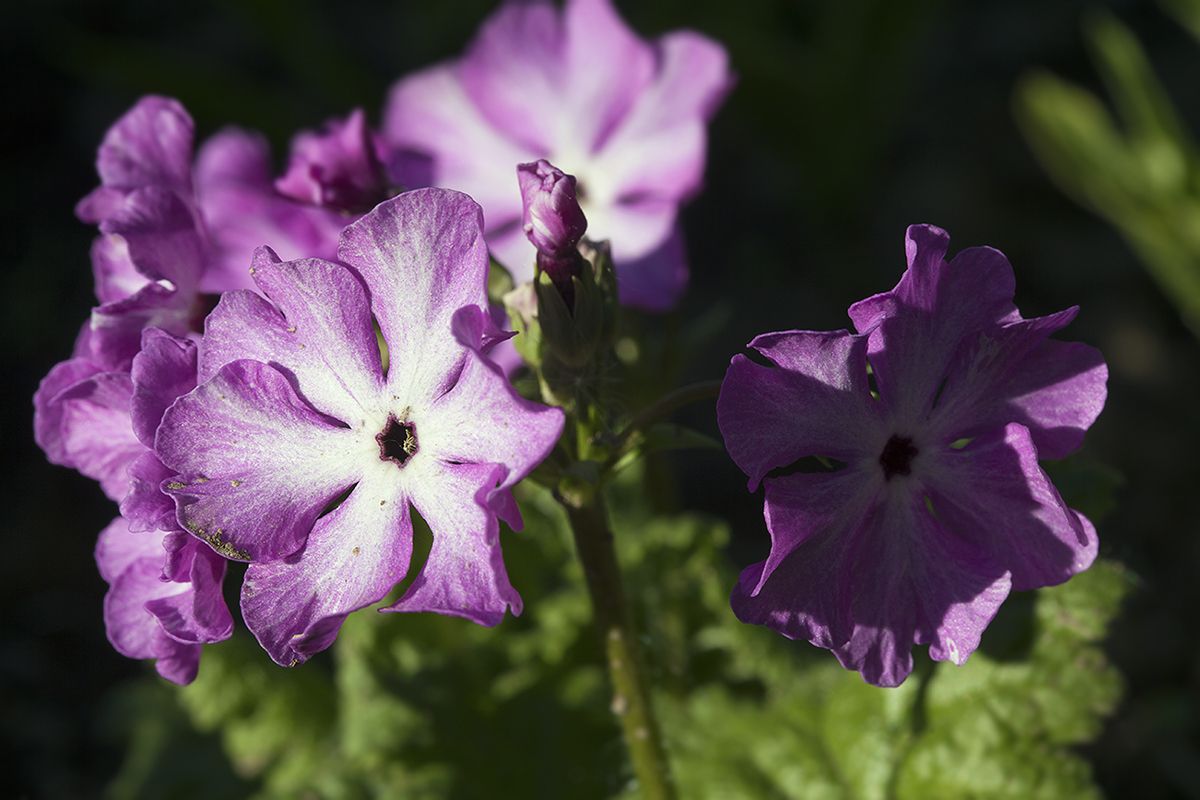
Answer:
[(631, 689)]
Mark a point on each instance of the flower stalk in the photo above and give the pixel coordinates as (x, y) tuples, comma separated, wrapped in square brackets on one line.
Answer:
[(631, 701)]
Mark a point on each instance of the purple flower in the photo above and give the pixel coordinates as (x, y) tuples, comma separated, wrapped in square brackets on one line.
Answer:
[(553, 222), (302, 450), (164, 599), (164, 614), (941, 507), (336, 168), (625, 117), (243, 211)]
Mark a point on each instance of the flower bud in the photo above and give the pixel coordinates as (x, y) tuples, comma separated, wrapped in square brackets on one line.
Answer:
[(336, 168), (554, 223)]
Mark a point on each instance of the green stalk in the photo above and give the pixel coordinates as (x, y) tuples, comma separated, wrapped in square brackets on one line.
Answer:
[(631, 689)]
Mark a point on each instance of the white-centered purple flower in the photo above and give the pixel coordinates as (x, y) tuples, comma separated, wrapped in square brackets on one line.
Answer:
[(301, 452), (941, 507), (626, 117)]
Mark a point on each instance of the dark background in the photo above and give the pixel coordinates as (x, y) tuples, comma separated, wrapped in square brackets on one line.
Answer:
[(851, 120)]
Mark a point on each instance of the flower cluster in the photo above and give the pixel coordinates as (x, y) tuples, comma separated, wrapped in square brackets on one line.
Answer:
[(941, 508)]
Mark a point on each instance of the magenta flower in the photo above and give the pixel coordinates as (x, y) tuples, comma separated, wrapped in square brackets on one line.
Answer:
[(301, 451), (624, 116), (941, 507), (165, 614), (336, 168)]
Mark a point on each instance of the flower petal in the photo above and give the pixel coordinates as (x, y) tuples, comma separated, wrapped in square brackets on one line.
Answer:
[(242, 211), (256, 465), (816, 403), (151, 145), (431, 113), (914, 582), (132, 565), (916, 328), (354, 556), (320, 333), (199, 615), (464, 574), (806, 594), (423, 257), (993, 494), (163, 370), (482, 420)]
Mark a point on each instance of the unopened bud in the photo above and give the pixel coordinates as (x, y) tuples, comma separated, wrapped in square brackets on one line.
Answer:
[(554, 223)]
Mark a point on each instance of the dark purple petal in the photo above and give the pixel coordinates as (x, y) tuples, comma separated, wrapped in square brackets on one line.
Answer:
[(945, 596), (807, 596), (816, 402), (256, 465), (336, 167), (1057, 391), (353, 558), (918, 326), (993, 494)]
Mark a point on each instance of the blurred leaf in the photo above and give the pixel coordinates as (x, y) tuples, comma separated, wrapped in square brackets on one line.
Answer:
[(1187, 12), (1144, 179)]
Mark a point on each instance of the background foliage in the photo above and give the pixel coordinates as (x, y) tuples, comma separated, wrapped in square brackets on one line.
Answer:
[(851, 120)]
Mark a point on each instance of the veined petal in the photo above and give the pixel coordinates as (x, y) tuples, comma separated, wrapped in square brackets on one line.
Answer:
[(163, 370), (803, 589), (199, 615), (993, 494), (914, 582), (151, 145), (145, 507), (354, 556), (817, 402), (482, 420), (464, 574), (97, 437), (256, 465), (1057, 390), (132, 566), (319, 334), (423, 257), (48, 406), (919, 325)]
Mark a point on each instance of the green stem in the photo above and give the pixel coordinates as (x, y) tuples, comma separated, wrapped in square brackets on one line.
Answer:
[(664, 405), (631, 689)]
